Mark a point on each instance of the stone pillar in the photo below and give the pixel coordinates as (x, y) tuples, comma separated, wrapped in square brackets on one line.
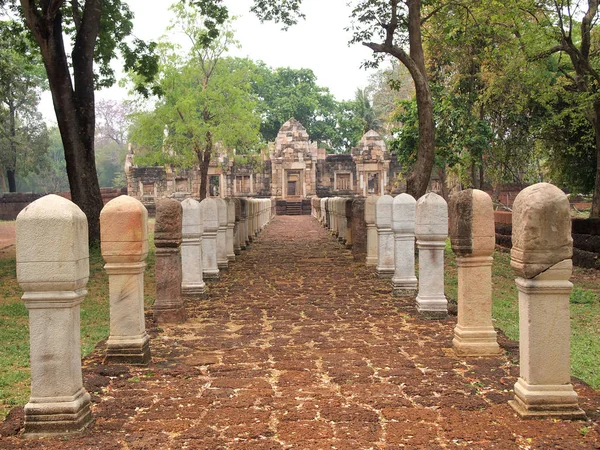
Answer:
[(168, 306), (53, 271), (372, 242), (541, 257), (431, 229), (237, 249), (359, 230), (473, 239), (210, 215), (192, 284), (230, 228), (404, 282), (385, 237), (348, 219), (124, 237), (244, 223), (222, 260)]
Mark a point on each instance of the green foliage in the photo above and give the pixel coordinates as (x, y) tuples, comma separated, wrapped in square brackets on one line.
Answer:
[(207, 99), (23, 134)]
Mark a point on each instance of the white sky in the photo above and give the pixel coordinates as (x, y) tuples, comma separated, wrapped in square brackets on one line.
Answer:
[(318, 43)]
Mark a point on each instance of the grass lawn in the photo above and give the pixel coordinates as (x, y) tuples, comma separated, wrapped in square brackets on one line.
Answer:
[(14, 333)]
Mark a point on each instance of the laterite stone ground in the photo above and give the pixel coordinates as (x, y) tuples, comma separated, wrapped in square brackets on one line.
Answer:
[(300, 347)]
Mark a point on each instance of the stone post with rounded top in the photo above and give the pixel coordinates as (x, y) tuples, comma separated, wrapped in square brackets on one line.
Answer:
[(473, 239), (222, 261), (372, 242), (431, 229), (404, 281), (230, 229), (53, 271), (124, 246), (385, 237), (168, 306), (210, 217), (192, 283), (541, 257)]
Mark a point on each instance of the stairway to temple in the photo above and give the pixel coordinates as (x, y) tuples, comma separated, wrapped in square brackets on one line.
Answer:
[(294, 208)]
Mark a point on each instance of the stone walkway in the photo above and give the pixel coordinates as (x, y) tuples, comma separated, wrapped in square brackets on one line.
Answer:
[(300, 347)]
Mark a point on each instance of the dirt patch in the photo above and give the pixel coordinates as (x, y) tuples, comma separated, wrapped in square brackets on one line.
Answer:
[(7, 240)]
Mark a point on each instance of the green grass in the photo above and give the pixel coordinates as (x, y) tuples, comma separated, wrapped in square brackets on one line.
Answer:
[(14, 324), (585, 313)]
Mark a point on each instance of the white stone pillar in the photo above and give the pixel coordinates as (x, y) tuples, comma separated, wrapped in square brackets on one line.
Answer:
[(404, 281), (385, 237), (372, 241), (53, 270), (473, 239), (541, 257), (210, 216), (222, 260), (124, 245), (431, 229), (192, 284), (230, 228)]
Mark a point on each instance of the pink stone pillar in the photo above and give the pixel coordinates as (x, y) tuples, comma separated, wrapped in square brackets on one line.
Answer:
[(473, 240), (168, 306), (124, 237), (53, 271), (541, 257)]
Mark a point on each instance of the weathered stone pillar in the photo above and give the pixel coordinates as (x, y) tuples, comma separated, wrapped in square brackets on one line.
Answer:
[(210, 216), (192, 284), (359, 230), (372, 241), (348, 220), (431, 229), (404, 281), (244, 223), (473, 239), (237, 225), (168, 306), (124, 237), (222, 260), (385, 237), (53, 270), (541, 256)]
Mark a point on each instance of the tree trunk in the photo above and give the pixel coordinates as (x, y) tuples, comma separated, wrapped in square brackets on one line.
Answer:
[(12, 165), (74, 107), (595, 212), (418, 180), (204, 160)]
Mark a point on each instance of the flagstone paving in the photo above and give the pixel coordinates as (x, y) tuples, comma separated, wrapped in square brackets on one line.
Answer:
[(300, 347)]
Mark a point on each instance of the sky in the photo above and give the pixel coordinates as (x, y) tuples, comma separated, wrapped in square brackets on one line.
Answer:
[(318, 43)]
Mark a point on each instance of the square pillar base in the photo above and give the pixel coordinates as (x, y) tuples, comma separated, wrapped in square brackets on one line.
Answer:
[(541, 401), (58, 415), (432, 307), (385, 272), (170, 315), (475, 341), (128, 351)]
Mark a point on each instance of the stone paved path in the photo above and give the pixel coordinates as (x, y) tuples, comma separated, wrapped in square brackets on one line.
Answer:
[(300, 347)]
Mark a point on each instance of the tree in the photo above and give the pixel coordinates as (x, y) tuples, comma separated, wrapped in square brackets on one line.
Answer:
[(391, 21), (206, 99), (111, 140), (97, 28), (23, 139)]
